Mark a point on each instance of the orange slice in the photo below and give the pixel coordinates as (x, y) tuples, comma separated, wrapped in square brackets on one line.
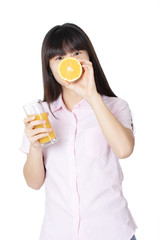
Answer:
[(70, 69)]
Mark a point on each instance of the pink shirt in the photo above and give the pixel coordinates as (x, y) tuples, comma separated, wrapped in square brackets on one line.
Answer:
[(83, 184)]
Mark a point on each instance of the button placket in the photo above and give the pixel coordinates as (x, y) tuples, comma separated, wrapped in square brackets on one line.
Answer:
[(73, 178)]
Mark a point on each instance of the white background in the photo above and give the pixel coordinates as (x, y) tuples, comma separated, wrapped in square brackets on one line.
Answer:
[(126, 37)]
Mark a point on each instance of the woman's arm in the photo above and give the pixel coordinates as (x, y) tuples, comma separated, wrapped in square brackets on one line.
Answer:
[(120, 138), (34, 171)]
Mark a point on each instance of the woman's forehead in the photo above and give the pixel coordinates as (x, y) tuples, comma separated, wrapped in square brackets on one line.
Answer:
[(65, 48)]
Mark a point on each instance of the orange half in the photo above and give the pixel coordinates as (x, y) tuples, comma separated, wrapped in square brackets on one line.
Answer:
[(70, 69)]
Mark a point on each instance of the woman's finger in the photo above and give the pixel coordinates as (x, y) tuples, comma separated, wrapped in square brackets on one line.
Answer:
[(35, 132), (41, 130), (28, 119), (85, 61), (37, 137), (86, 67), (36, 122)]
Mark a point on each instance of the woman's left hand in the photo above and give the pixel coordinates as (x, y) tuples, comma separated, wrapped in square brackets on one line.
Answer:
[(85, 86)]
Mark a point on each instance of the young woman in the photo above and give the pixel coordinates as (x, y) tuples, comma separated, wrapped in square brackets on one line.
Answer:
[(81, 171)]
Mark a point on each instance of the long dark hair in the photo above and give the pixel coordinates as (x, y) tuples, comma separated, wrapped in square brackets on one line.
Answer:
[(57, 41)]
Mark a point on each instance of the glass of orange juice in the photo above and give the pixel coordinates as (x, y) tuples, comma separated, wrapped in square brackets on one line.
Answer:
[(36, 108)]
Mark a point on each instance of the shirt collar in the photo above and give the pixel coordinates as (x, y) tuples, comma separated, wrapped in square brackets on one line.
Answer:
[(58, 104)]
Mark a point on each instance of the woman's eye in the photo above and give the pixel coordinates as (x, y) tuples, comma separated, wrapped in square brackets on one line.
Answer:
[(76, 53), (59, 58)]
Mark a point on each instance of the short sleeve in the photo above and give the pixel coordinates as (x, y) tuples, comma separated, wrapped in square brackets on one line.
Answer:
[(121, 111), (25, 145), (123, 114)]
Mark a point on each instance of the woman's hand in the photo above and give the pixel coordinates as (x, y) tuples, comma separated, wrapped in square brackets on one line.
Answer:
[(85, 86), (35, 134)]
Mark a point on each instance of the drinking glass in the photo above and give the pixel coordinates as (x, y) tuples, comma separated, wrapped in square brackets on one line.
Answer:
[(36, 108)]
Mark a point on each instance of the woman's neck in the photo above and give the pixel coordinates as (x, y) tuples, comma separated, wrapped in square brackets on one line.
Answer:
[(70, 98)]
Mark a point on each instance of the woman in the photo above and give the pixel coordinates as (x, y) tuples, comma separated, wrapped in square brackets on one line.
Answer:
[(81, 172)]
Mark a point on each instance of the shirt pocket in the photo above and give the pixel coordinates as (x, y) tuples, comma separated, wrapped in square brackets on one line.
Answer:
[(95, 143)]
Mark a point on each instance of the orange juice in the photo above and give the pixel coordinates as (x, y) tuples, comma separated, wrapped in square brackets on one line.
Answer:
[(44, 116)]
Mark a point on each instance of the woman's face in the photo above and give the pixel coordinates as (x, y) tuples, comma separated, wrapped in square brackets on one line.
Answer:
[(54, 62)]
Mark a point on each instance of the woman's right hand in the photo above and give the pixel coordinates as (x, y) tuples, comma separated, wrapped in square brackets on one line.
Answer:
[(35, 134)]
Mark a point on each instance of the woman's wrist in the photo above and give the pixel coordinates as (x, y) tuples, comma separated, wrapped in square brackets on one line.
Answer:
[(35, 147), (94, 99)]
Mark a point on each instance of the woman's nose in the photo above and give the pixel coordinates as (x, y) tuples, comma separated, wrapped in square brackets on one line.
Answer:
[(68, 55)]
